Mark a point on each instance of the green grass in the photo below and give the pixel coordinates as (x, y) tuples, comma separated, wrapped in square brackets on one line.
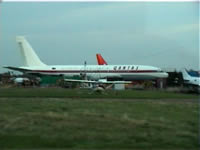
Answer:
[(81, 93), (44, 123)]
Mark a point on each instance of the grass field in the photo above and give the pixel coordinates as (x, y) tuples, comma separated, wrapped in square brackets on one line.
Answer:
[(84, 93), (47, 119)]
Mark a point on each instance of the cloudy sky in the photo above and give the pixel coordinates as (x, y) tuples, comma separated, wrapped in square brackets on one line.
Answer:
[(154, 33)]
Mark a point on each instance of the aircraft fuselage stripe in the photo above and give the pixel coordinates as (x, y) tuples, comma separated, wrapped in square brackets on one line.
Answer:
[(94, 71)]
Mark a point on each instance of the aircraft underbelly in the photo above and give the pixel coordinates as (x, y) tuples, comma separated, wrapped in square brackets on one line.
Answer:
[(99, 75), (137, 77), (142, 76)]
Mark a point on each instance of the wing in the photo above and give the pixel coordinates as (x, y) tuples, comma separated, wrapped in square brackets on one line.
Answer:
[(97, 82), (118, 82), (79, 81)]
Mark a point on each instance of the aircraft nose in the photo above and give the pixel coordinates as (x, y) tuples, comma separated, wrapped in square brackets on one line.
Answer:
[(165, 75)]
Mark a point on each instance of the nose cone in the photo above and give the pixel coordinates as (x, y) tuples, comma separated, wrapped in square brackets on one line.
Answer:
[(162, 74), (165, 75)]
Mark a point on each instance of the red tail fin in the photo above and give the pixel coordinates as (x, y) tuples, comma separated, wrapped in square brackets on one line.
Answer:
[(100, 60)]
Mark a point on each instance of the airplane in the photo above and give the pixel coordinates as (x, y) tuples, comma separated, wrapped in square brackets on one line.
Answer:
[(90, 73), (191, 81), (20, 80)]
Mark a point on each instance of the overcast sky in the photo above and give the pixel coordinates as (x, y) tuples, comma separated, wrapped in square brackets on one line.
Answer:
[(158, 34)]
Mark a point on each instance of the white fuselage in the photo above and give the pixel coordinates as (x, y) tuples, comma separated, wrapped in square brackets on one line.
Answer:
[(193, 81), (95, 72), (33, 65)]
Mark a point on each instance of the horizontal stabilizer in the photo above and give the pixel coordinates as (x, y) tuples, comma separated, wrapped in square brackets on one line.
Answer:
[(16, 68)]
